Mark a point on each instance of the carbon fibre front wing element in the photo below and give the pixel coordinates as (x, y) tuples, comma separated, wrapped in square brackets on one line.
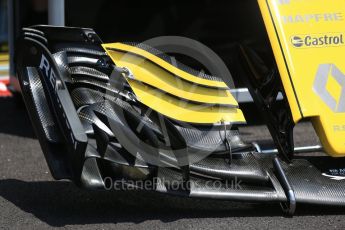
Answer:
[(63, 73)]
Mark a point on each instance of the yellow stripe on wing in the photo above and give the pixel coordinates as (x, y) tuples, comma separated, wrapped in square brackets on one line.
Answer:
[(182, 110), (151, 74), (157, 60)]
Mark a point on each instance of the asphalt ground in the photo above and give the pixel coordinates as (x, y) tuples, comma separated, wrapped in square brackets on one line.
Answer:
[(31, 199)]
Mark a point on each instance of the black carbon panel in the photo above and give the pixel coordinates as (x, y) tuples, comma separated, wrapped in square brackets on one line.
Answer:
[(247, 168), (243, 192), (84, 96), (174, 62), (82, 51), (234, 190), (62, 63), (96, 85), (311, 187), (106, 108), (88, 72), (103, 103), (210, 138), (41, 106), (91, 175), (86, 123), (88, 118)]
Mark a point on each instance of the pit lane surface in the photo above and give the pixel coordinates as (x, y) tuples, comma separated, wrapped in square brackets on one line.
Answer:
[(31, 199)]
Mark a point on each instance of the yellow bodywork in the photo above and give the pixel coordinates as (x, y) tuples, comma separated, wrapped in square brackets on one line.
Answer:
[(172, 91), (308, 38)]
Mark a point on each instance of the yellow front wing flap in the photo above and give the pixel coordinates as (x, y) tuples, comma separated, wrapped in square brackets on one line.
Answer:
[(163, 64), (174, 92), (185, 111), (308, 41), (153, 75)]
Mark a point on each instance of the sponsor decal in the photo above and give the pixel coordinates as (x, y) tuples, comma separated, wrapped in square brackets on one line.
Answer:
[(284, 2), (313, 18), (335, 103), (309, 18), (49, 73), (339, 128), (338, 178), (324, 73), (318, 40), (287, 2), (297, 41), (335, 174)]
